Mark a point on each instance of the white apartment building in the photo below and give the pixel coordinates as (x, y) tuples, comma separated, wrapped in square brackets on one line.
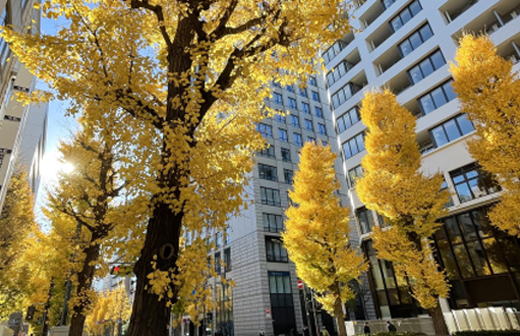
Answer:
[(22, 128), (405, 45)]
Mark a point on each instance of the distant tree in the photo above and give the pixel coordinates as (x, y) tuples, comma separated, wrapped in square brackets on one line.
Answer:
[(410, 202), (489, 92), (317, 232)]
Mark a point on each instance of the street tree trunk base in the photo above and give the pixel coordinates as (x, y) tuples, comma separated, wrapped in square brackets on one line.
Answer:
[(438, 321)]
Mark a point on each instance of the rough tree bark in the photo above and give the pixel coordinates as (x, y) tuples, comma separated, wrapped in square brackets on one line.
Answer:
[(338, 311)]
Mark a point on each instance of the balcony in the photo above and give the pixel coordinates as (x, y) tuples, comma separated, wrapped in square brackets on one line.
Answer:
[(510, 50), (343, 67), (399, 83), (351, 88), (337, 47), (387, 60), (455, 8), (371, 14), (380, 36)]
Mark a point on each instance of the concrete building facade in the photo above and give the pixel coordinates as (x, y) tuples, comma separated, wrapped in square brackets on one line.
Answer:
[(405, 46), (22, 128)]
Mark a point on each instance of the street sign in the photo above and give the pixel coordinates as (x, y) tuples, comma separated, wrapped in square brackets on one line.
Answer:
[(300, 284), (267, 312)]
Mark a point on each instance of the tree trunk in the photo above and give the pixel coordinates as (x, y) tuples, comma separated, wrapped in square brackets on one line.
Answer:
[(85, 276), (151, 316), (438, 321), (338, 312)]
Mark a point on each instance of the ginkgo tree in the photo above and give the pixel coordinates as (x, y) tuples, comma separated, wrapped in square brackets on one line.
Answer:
[(110, 311), (188, 79), (410, 202), (489, 92), (317, 232)]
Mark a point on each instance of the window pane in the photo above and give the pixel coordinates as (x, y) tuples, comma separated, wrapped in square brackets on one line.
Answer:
[(346, 150), (341, 124), (437, 60), (360, 142), (478, 258), (453, 230), (415, 8), (464, 262), (426, 32), (448, 89), (405, 16), (426, 67), (415, 74), (465, 125), (353, 146), (272, 284), (354, 115), (396, 23), (452, 130), (405, 48), (427, 104), (438, 97), (463, 192), (415, 40), (439, 136), (287, 285)]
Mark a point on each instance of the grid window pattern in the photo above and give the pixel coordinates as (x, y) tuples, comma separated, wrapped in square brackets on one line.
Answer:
[(286, 155), (270, 196), (344, 94), (311, 139), (354, 145), (322, 129), (272, 223), (280, 117), (227, 260), (277, 98), (471, 182), (295, 121), (339, 71), (365, 220), (275, 250), (288, 176), (318, 111), (289, 88), (315, 96), (298, 139), (312, 81), (306, 108), (308, 125), (437, 97), (388, 3), (292, 103), (333, 51), (426, 67), (303, 92), (268, 152), (348, 119), (405, 15), (218, 264), (267, 172), (265, 130), (415, 40), (282, 134), (354, 174), (451, 130)]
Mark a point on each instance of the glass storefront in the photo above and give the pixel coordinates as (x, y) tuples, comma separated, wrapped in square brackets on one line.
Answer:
[(224, 309)]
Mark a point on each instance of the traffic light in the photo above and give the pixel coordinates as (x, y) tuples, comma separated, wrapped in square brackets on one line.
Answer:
[(121, 270), (30, 313)]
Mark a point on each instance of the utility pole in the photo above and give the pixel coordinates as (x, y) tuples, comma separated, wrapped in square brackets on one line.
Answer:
[(68, 285)]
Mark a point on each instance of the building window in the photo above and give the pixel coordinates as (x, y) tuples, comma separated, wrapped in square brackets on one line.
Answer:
[(333, 51), (354, 145), (227, 259), (311, 139), (282, 134), (344, 94), (289, 88), (306, 108), (295, 121), (415, 40), (426, 67), (265, 130), (228, 235), (286, 155), (303, 92), (322, 129), (270, 196), (444, 186), (277, 98), (272, 223), (318, 111), (298, 139), (365, 220), (388, 3), (280, 117), (451, 130), (275, 250), (277, 84), (405, 15), (315, 96), (4, 47), (339, 71), (267, 172), (288, 176), (312, 80), (471, 182), (218, 265), (437, 97), (218, 239), (224, 309), (308, 125), (354, 174), (292, 103), (324, 143), (348, 119), (267, 152)]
